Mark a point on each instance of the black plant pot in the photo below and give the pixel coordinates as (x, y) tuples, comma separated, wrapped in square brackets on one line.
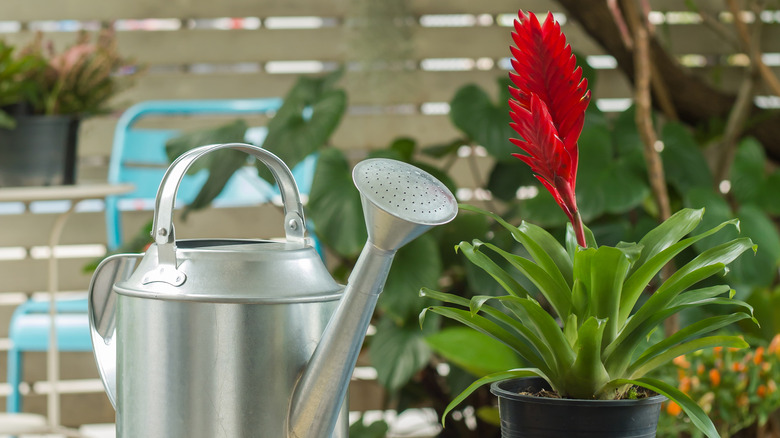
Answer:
[(525, 416), (40, 151)]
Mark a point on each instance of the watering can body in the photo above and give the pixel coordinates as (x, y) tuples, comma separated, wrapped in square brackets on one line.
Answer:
[(220, 362)]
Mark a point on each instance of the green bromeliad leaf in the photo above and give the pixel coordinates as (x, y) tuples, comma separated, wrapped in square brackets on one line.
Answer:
[(693, 410), (490, 378), (473, 351)]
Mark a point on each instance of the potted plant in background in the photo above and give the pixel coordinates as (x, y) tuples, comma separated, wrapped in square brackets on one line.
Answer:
[(593, 349), (44, 95)]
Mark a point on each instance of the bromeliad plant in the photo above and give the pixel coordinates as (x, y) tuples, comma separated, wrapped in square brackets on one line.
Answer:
[(594, 344)]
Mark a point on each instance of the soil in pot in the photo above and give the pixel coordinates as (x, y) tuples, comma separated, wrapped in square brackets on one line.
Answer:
[(526, 416)]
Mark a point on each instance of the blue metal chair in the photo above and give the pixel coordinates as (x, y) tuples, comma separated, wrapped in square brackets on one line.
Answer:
[(138, 157)]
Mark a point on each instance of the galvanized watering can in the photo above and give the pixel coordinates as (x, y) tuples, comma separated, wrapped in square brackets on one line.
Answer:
[(243, 338)]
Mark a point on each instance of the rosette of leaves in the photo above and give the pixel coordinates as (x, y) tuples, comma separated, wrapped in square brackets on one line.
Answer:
[(594, 345)]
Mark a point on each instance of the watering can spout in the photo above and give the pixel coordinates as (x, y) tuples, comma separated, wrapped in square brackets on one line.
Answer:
[(400, 202)]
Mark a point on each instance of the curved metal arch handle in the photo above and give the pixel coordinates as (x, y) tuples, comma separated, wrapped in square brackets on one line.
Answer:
[(163, 231)]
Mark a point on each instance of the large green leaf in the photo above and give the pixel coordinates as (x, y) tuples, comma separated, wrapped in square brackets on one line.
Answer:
[(606, 181), (766, 302), (684, 163), (473, 351), (398, 352), (769, 198), (416, 265), (335, 207), (311, 111), (377, 429), (748, 171), (759, 269), (625, 135), (623, 187), (508, 176), (484, 121), (542, 210)]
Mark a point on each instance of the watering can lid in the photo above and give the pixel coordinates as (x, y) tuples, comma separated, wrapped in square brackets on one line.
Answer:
[(235, 271)]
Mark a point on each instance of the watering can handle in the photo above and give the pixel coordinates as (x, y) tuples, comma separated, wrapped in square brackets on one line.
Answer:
[(162, 230), (102, 315)]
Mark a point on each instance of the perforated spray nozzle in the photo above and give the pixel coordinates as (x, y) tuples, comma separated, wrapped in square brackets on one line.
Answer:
[(400, 201)]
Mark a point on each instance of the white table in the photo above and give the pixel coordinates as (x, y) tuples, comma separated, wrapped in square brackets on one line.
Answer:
[(29, 423)]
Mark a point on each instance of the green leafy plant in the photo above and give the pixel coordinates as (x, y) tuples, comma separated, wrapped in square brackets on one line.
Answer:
[(593, 342), (598, 350), (12, 86), (80, 80)]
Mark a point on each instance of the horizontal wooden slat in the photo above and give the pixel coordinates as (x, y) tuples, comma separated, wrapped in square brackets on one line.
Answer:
[(87, 228), (76, 409), (31, 275), (187, 47), (99, 10), (74, 365)]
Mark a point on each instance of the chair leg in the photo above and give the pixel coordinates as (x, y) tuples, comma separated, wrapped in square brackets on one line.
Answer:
[(14, 400)]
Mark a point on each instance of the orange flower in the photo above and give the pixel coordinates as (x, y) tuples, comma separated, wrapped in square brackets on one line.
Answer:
[(717, 351), (774, 346), (759, 357), (761, 391), (681, 362), (673, 409), (700, 369), (738, 366), (715, 377), (685, 384), (742, 400)]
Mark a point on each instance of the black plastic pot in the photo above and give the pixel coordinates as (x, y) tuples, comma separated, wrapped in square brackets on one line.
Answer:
[(40, 151), (525, 416)]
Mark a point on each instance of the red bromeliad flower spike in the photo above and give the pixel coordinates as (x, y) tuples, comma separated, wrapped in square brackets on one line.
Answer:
[(548, 108)]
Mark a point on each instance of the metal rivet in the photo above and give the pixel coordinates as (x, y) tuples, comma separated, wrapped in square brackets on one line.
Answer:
[(293, 225), (162, 232)]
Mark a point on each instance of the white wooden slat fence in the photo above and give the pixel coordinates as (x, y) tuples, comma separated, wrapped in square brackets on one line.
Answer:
[(190, 63)]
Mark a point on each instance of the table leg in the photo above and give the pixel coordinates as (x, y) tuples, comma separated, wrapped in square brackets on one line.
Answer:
[(52, 357)]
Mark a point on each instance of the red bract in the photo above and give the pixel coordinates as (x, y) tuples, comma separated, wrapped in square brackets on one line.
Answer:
[(548, 108)]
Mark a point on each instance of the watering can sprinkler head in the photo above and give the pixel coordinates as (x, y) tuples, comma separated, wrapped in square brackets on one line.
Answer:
[(400, 202)]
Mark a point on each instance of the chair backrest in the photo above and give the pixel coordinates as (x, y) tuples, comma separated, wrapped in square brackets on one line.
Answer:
[(138, 157)]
